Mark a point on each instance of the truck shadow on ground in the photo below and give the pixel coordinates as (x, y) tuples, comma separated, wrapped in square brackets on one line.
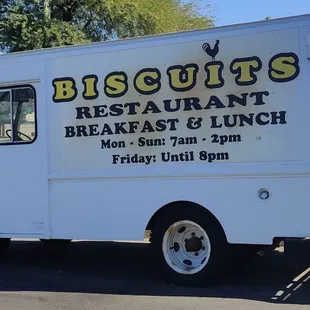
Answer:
[(126, 268)]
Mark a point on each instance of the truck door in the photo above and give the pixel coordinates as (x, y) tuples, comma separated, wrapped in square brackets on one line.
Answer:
[(23, 181)]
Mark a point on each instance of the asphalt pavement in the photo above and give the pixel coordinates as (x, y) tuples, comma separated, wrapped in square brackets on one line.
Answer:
[(116, 275)]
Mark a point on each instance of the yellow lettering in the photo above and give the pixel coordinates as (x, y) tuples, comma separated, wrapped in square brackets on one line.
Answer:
[(90, 87), (214, 74), (182, 78), (147, 81), (245, 68), (64, 90), (283, 67), (116, 84)]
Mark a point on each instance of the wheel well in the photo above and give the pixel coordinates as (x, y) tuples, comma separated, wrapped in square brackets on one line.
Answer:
[(175, 204)]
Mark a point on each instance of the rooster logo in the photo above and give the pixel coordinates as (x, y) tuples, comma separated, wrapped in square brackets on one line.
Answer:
[(212, 52)]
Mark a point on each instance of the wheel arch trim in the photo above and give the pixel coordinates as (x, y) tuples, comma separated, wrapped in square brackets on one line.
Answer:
[(174, 204)]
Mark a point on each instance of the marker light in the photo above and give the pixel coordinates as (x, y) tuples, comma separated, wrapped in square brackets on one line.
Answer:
[(263, 194)]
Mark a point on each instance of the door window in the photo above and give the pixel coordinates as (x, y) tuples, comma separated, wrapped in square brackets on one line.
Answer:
[(17, 115)]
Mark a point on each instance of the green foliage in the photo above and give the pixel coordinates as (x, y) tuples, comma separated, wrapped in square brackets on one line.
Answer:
[(23, 26), (34, 24)]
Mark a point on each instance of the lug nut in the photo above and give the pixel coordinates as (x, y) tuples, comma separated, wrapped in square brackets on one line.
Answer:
[(201, 238), (193, 234), (203, 248), (196, 254)]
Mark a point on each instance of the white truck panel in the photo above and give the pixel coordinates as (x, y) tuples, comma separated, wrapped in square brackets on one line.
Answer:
[(76, 188), (24, 186), (259, 143), (121, 209), (121, 198)]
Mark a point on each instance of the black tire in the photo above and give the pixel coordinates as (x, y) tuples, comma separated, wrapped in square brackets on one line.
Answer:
[(219, 256), (56, 242), (5, 243)]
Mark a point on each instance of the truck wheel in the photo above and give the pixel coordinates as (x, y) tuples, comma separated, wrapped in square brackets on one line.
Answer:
[(56, 242), (190, 246), (4, 245)]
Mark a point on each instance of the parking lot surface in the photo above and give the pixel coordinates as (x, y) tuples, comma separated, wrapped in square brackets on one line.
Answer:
[(116, 275)]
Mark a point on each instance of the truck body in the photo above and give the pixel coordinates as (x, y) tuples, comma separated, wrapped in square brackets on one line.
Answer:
[(98, 140)]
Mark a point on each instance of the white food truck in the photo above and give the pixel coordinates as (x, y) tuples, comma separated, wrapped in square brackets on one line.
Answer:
[(199, 137)]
